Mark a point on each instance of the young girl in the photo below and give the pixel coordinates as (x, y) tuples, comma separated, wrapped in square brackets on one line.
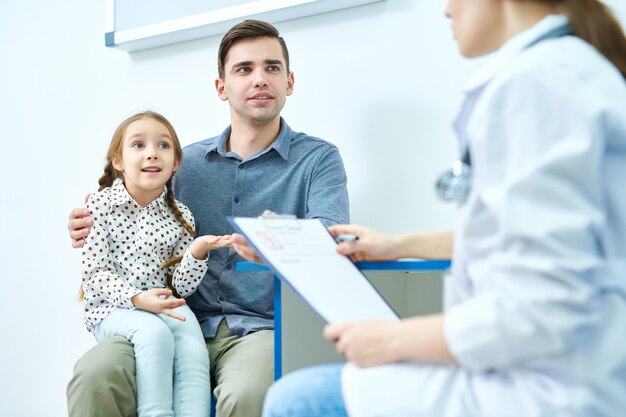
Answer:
[(140, 251), (536, 302)]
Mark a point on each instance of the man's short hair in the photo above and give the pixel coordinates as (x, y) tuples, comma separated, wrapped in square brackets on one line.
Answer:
[(246, 30)]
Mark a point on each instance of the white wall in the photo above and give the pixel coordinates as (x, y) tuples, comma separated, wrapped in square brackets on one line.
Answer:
[(380, 81)]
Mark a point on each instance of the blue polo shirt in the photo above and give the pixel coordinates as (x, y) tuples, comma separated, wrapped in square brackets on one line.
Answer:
[(297, 174)]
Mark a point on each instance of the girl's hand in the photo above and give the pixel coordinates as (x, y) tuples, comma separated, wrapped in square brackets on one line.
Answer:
[(364, 343), (370, 245), (203, 244), (157, 301)]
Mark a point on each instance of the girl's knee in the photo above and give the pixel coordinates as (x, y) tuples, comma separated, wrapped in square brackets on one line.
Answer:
[(191, 347), (155, 336)]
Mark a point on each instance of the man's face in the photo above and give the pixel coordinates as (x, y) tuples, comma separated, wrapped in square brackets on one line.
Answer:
[(256, 82)]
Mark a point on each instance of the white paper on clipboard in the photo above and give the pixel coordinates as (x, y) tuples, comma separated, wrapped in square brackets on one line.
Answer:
[(303, 254)]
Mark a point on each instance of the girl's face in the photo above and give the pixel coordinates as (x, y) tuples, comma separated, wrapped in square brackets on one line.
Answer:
[(148, 159), (478, 25)]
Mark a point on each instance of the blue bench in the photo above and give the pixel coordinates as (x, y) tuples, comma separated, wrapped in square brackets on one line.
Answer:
[(397, 266)]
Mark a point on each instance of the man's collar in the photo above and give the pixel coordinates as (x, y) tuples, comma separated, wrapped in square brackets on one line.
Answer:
[(280, 144), (283, 140)]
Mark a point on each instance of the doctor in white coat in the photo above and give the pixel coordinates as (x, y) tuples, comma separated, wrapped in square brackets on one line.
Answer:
[(535, 314)]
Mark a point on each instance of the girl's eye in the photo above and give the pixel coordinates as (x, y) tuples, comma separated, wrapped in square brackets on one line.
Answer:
[(164, 145), (137, 145)]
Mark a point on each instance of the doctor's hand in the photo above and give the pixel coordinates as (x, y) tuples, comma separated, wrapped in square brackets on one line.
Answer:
[(370, 245), (365, 343), (243, 248)]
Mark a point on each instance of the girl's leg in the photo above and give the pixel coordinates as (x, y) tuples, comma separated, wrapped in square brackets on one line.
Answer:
[(310, 392), (192, 381), (154, 352)]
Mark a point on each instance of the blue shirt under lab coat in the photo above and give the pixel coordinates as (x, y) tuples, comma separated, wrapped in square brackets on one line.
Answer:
[(536, 302)]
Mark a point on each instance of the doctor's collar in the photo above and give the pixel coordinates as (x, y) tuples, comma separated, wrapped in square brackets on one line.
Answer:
[(550, 26)]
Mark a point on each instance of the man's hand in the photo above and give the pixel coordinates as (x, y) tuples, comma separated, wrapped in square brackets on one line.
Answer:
[(79, 226), (157, 301), (241, 246)]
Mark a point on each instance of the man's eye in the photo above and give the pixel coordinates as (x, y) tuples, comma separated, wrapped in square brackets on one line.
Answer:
[(273, 68), (164, 145), (244, 69)]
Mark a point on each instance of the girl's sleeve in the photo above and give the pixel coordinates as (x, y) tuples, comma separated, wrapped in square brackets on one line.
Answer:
[(186, 275), (99, 276)]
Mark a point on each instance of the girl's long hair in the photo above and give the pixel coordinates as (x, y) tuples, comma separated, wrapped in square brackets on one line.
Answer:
[(110, 174)]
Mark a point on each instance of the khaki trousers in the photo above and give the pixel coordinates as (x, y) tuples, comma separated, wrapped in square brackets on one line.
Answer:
[(242, 368)]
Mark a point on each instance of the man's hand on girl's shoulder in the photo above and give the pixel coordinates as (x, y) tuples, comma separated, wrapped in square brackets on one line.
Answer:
[(79, 226)]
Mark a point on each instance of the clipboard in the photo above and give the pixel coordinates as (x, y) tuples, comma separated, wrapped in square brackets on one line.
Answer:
[(302, 253)]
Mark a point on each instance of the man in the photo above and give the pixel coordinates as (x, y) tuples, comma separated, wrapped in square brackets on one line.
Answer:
[(257, 163)]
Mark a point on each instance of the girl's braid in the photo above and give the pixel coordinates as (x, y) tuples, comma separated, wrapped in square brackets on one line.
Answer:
[(169, 198), (108, 176)]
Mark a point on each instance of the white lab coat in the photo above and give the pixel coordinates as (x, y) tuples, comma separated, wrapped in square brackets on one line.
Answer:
[(536, 301)]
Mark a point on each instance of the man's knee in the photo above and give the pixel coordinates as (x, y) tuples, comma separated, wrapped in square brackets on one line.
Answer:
[(114, 359), (104, 379), (241, 398)]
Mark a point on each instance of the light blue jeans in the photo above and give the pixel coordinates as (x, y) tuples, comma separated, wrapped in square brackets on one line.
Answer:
[(309, 392), (172, 363)]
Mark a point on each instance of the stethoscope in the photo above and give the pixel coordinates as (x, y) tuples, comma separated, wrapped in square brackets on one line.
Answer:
[(454, 185)]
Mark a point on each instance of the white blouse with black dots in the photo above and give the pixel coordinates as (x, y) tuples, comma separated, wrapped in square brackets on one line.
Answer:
[(125, 247)]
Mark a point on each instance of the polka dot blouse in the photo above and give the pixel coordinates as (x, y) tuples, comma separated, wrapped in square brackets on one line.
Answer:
[(125, 247)]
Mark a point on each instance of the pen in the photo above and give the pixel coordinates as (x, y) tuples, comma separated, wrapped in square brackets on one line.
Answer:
[(346, 238)]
